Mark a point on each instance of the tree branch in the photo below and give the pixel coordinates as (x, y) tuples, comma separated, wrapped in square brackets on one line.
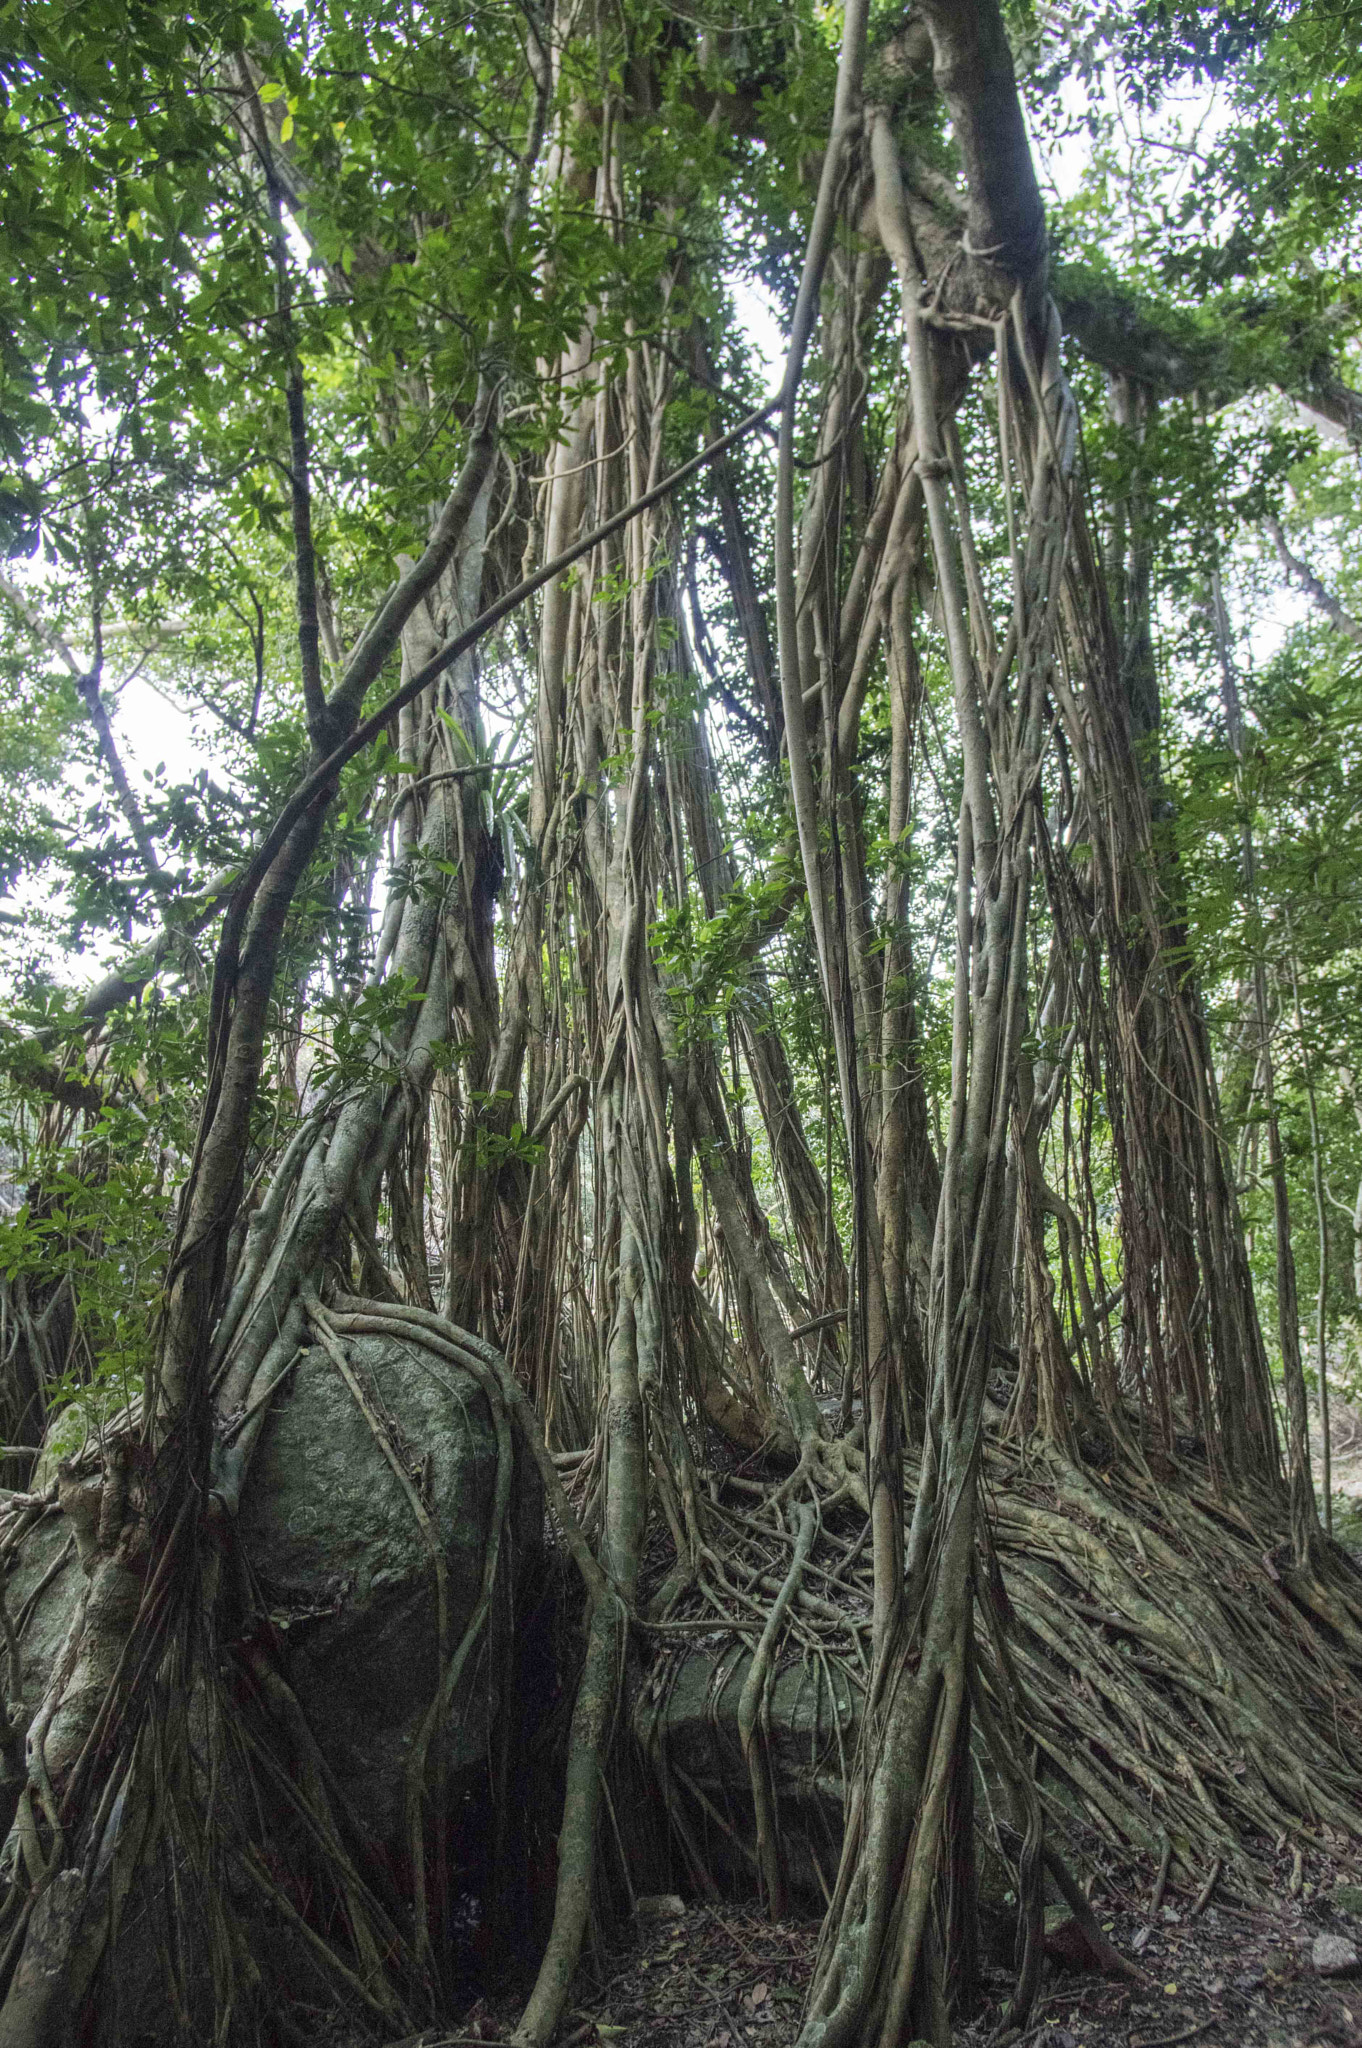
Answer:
[(1173, 356), (300, 469), (972, 65), (1301, 573), (381, 635), (87, 682)]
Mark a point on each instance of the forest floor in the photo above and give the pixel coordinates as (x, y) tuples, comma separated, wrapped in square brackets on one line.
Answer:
[(683, 1976)]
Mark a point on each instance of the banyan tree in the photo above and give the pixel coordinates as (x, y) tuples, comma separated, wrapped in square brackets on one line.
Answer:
[(670, 1081)]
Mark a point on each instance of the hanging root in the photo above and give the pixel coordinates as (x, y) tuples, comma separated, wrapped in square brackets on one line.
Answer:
[(754, 1696)]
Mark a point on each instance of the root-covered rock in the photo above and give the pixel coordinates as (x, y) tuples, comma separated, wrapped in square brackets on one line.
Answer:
[(1154, 1630), (359, 1563), (345, 1571)]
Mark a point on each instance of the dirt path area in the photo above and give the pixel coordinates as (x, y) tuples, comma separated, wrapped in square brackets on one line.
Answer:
[(1286, 1975)]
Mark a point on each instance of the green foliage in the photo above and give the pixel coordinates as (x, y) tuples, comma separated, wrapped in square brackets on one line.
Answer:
[(354, 1038), (706, 961), (97, 1198), (145, 515)]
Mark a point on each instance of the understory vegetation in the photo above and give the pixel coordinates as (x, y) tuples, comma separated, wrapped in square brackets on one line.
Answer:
[(680, 722)]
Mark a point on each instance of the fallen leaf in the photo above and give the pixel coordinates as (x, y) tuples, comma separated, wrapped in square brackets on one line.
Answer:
[(1170, 1989)]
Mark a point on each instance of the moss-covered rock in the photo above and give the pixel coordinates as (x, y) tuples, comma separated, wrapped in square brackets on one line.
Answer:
[(344, 1571), (686, 1723), (347, 1576)]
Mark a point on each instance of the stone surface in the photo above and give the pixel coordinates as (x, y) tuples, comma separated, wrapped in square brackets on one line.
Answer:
[(340, 1564), (343, 1569), (41, 1594), (660, 1906), (1333, 1955), (685, 1721), (688, 1717), (78, 1427)]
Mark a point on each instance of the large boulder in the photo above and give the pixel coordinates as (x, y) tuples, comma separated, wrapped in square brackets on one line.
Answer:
[(685, 1724), (343, 1569)]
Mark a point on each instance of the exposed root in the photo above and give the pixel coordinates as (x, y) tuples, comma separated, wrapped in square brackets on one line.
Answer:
[(755, 1695), (1151, 1630)]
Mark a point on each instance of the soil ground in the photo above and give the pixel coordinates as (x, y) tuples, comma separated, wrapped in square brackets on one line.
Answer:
[(1234, 1976)]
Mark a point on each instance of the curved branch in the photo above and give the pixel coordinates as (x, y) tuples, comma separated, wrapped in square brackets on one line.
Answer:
[(1174, 356), (1304, 576)]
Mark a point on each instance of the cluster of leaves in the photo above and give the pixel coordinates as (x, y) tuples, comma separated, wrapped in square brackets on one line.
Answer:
[(90, 1196)]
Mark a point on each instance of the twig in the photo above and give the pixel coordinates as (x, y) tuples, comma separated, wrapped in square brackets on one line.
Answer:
[(1161, 1882), (1172, 2040), (1204, 1895), (731, 2023), (834, 1315)]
